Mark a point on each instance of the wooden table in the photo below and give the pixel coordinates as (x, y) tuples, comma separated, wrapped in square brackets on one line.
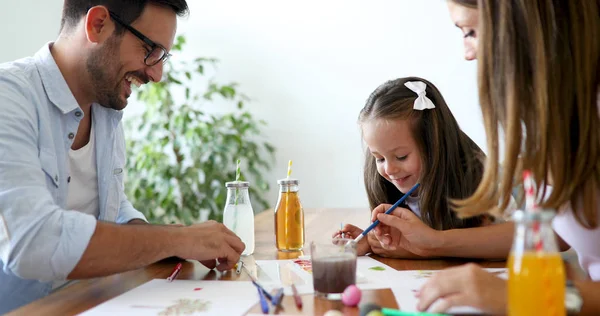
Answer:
[(319, 223)]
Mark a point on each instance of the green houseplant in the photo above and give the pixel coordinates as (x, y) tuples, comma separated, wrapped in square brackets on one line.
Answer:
[(179, 156)]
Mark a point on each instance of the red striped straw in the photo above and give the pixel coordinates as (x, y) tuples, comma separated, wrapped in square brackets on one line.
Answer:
[(531, 206)]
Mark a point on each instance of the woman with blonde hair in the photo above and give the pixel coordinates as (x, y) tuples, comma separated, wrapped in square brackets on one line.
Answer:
[(539, 77), (463, 14)]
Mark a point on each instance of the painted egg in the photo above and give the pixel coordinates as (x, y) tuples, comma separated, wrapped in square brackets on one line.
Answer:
[(374, 313), (333, 312), (351, 295)]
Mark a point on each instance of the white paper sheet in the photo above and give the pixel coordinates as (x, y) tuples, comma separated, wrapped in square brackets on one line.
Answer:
[(370, 274), (182, 297), (407, 283)]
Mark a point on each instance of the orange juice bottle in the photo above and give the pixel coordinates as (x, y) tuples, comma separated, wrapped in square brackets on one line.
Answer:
[(536, 274), (289, 217)]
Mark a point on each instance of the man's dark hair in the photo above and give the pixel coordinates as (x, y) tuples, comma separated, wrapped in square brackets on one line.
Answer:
[(127, 10)]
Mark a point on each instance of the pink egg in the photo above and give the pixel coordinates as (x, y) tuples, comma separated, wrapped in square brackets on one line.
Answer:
[(351, 295)]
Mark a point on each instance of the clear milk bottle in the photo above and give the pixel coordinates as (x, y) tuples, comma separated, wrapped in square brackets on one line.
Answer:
[(238, 215)]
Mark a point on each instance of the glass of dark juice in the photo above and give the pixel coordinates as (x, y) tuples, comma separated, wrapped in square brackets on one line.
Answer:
[(333, 267)]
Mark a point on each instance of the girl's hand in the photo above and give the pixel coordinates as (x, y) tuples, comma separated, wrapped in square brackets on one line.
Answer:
[(467, 285), (403, 229), (351, 232)]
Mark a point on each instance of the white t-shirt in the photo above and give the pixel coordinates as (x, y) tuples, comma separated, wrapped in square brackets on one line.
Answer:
[(413, 203), (83, 184), (83, 175), (586, 242)]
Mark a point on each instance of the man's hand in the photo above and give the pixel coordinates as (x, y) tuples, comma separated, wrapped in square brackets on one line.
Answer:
[(208, 242)]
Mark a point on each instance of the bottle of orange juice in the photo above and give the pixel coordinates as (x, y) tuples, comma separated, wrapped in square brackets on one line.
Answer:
[(536, 275), (289, 217)]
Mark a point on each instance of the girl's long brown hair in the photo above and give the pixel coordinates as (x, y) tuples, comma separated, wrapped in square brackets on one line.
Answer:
[(452, 163), (538, 64)]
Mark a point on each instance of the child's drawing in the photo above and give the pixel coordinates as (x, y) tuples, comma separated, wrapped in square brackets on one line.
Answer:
[(424, 274), (186, 307), (181, 297), (304, 264)]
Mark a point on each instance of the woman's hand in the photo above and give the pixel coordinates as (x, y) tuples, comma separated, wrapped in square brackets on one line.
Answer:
[(381, 250), (403, 229), (467, 285)]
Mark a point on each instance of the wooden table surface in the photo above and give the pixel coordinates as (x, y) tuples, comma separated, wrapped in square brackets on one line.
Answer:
[(319, 223)]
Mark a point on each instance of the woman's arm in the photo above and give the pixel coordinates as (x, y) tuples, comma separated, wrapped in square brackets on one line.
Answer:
[(403, 229), (487, 242), (590, 293)]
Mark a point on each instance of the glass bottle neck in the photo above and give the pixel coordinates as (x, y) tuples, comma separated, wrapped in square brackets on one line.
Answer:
[(534, 235), (236, 196), (288, 188)]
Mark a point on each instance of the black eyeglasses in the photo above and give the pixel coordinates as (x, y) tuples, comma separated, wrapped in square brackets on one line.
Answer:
[(156, 54)]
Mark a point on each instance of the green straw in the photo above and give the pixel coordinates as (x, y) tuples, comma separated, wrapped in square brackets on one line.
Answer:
[(237, 179)]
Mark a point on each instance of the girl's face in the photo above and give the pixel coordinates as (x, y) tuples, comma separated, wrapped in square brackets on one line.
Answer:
[(466, 19), (394, 150)]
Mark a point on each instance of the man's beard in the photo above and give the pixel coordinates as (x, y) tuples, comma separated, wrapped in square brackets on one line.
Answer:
[(103, 69)]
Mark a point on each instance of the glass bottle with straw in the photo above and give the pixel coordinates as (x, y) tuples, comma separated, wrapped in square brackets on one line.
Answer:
[(289, 215), (238, 214), (536, 275)]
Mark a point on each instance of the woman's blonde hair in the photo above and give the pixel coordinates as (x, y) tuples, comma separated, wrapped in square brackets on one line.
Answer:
[(466, 3), (538, 64)]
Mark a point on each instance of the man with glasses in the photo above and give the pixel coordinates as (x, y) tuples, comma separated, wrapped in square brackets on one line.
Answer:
[(63, 211)]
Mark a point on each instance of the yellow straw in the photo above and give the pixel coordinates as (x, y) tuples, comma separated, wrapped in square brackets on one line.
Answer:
[(287, 204)]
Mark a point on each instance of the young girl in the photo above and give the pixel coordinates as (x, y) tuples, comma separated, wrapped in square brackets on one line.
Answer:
[(411, 136), (544, 80)]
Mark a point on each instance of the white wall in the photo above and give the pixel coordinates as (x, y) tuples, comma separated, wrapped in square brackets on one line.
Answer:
[(25, 25), (308, 66)]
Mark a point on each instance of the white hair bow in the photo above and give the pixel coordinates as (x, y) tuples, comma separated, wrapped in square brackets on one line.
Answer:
[(422, 102)]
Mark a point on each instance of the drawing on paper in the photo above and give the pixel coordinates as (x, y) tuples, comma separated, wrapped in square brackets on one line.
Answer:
[(181, 307), (304, 264), (186, 307), (181, 297), (377, 268), (424, 274)]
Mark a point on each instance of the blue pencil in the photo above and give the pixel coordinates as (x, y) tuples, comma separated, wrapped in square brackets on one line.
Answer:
[(263, 301), (262, 289), (375, 223)]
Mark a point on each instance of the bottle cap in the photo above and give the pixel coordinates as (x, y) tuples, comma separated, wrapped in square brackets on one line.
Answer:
[(237, 184), (287, 181)]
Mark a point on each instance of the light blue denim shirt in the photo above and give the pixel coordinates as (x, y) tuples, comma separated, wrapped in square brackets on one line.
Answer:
[(40, 240)]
